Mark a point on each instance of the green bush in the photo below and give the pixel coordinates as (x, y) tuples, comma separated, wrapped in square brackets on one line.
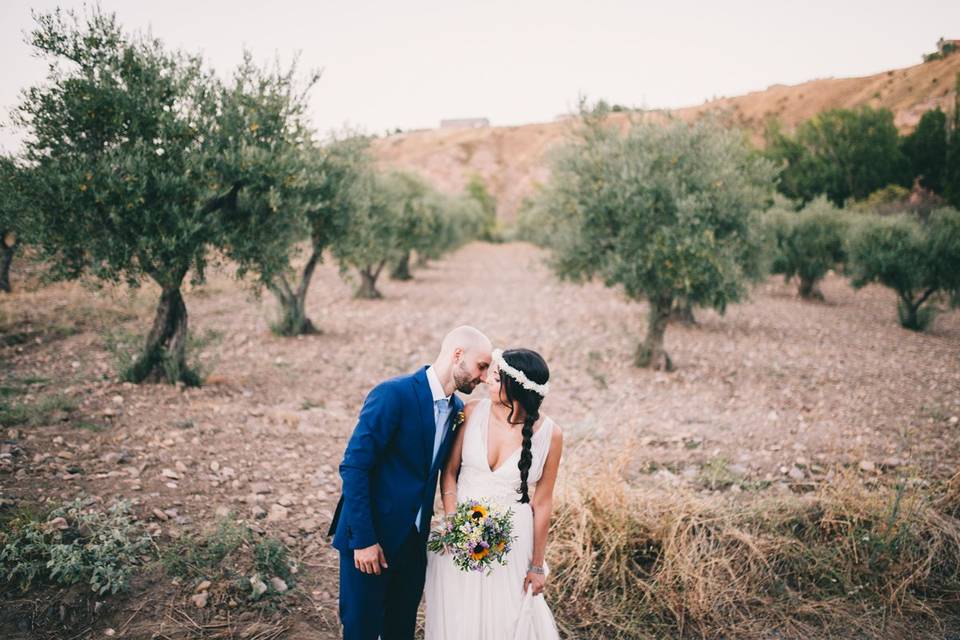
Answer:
[(841, 153), (808, 243), (272, 559), (917, 260), (97, 547), (198, 555)]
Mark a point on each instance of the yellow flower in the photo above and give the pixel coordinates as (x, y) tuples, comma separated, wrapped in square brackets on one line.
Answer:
[(479, 512), (501, 546), (479, 553)]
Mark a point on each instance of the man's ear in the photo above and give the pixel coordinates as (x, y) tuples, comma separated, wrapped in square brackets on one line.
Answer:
[(458, 354)]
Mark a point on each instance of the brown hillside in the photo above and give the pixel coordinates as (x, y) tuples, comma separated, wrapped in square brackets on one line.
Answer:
[(512, 159)]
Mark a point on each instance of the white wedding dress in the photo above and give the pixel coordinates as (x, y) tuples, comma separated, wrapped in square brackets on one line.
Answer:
[(464, 605)]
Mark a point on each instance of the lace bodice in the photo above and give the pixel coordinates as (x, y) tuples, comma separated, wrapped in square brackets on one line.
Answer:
[(478, 481)]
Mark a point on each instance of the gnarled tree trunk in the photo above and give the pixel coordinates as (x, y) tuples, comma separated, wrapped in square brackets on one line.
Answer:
[(651, 353), (368, 282), (809, 290), (909, 310), (402, 269), (293, 303), (164, 356), (8, 244)]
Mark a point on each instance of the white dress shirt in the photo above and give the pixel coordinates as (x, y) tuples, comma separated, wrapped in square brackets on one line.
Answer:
[(441, 412)]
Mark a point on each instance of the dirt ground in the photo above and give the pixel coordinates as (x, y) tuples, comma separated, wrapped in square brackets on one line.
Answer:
[(778, 392)]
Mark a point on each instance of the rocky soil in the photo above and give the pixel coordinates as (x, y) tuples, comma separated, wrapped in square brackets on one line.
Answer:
[(775, 395)]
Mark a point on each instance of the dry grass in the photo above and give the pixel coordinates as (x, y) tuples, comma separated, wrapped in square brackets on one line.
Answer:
[(842, 561)]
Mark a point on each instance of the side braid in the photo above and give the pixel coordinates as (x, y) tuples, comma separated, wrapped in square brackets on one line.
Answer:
[(527, 402), (526, 456)]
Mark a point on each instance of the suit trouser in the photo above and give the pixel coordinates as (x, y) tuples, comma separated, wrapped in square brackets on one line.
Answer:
[(384, 606)]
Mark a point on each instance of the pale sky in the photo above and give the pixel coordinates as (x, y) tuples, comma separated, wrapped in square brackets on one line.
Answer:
[(408, 64)]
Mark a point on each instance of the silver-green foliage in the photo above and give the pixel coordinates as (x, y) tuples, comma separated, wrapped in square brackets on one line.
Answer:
[(663, 211), (807, 243), (918, 260), (97, 547)]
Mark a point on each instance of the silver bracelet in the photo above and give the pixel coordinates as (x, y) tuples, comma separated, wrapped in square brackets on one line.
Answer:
[(448, 493), (537, 570)]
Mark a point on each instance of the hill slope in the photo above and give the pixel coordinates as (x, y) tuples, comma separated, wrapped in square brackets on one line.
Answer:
[(512, 159)]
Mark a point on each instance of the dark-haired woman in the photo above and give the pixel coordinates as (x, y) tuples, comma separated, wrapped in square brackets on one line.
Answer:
[(506, 453)]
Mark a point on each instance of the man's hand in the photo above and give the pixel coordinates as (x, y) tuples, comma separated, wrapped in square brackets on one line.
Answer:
[(369, 559)]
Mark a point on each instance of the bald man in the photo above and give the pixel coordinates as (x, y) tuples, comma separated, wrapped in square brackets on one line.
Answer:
[(389, 472)]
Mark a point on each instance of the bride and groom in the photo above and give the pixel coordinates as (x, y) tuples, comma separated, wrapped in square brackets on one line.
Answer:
[(500, 449)]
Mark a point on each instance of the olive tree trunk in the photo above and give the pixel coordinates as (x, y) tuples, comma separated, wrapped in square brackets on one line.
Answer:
[(401, 270), (651, 353), (8, 243), (912, 314), (368, 282), (164, 356), (293, 302), (809, 289)]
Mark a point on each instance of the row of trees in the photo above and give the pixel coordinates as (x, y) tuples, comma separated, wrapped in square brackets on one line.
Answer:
[(687, 215), (848, 154), (918, 257), (141, 164)]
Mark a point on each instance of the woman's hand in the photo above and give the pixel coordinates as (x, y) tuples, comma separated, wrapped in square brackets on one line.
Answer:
[(536, 580)]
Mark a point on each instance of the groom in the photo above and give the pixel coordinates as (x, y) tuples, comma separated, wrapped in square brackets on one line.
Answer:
[(389, 473)]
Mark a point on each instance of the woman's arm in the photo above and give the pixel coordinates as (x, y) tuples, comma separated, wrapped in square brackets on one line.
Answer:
[(542, 505), (448, 479)]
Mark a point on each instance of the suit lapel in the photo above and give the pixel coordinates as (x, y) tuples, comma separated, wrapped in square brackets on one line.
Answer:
[(425, 406)]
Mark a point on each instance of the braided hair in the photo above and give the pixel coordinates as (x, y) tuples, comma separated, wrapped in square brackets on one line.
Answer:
[(512, 393)]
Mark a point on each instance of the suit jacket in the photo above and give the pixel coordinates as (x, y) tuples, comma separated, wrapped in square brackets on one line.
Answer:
[(388, 469)]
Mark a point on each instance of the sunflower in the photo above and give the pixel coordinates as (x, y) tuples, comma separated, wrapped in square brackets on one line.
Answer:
[(478, 512), (479, 552), (501, 546)]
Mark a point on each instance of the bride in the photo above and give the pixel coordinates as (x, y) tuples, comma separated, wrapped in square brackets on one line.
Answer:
[(509, 454)]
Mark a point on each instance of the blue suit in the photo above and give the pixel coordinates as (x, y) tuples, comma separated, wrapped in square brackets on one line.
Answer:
[(389, 475)]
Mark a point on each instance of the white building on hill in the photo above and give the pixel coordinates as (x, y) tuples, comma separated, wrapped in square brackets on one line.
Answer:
[(464, 123)]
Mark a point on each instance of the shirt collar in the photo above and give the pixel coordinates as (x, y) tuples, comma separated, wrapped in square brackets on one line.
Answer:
[(435, 387)]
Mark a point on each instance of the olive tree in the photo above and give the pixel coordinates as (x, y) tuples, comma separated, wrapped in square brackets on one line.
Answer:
[(369, 239), (137, 156), (917, 260), (417, 222), (662, 210), (304, 192), (808, 243), (325, 199)]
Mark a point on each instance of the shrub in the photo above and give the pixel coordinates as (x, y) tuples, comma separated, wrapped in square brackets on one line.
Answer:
[(198, 555), (808, 243), (97, 547), (916, 260)]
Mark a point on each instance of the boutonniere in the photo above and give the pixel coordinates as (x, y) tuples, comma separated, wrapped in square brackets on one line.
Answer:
[(458, 420)]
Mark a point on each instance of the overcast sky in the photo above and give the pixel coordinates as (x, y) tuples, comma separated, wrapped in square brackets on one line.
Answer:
[(408, 64)]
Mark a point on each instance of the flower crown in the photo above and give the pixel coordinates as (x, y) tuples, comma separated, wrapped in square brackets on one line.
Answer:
[(518, 375)]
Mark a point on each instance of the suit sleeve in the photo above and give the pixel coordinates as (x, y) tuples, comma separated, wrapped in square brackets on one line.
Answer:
[(375, 427)]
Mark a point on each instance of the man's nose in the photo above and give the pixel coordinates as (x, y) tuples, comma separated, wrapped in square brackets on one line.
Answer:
[(483, 375)]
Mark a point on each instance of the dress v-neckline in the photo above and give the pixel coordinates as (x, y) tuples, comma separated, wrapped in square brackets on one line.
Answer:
[(486, 444)]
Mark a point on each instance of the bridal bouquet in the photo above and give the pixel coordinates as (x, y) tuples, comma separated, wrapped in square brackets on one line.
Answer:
[(477, 535)]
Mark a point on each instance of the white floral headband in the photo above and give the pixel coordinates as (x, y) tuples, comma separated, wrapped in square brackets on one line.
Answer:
[(518, 375)]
